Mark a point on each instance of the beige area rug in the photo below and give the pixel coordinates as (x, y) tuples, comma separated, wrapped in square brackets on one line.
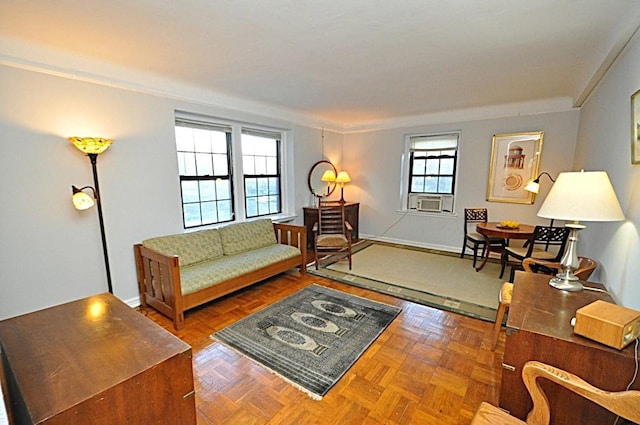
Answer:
[(440, 280)]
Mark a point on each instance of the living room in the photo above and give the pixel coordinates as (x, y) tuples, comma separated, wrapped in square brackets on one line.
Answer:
[(52, 253)]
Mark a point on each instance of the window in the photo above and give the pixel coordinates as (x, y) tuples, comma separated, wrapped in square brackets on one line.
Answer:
[(261, 168), (431, 168), (227, 172), (205, 173)]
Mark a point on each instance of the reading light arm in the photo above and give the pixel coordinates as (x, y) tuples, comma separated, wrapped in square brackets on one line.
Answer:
[(75, 190), (537, 179)]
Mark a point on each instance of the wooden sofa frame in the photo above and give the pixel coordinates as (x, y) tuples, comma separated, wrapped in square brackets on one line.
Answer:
[(159, 276)]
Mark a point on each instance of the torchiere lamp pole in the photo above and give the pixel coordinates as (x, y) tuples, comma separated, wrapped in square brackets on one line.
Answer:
[(93, 147)]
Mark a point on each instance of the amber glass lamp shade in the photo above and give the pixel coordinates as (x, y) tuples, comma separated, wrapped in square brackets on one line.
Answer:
[(91, 145), (328, 176), (343, 177)]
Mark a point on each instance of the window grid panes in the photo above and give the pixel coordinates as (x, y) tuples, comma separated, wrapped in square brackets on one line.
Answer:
[(432, 163), (204, 165), (261, 172)]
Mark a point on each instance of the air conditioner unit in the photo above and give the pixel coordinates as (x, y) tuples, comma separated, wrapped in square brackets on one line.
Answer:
[(429, 203)]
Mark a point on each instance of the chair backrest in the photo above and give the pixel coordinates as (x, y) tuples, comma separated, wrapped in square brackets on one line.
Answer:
[(331, 218), (545, 237), (474, 215), (625, 404), (583, 272)]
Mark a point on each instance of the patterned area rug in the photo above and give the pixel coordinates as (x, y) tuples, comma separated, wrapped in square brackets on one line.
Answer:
[(310, 338)]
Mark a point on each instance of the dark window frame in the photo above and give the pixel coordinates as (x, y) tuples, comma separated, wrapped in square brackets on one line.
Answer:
[(439, 175), (277, 137), (207, 177)]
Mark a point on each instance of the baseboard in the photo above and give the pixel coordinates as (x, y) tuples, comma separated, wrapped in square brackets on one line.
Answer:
[(445, 248), (133, 302)]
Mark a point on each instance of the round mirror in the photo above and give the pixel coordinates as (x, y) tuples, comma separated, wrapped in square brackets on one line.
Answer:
[(316, 185)]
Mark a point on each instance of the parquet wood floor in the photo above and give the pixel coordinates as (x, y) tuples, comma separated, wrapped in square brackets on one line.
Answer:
[(428, 367)]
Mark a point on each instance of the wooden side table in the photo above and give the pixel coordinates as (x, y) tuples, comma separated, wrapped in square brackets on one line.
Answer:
[(539, 328), (95, 361), (351, 210)]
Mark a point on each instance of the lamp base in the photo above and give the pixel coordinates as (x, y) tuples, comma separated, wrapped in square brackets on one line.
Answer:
[(566, 282)]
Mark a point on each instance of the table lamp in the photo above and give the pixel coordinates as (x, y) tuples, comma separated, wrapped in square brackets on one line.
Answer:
[(579, 196), (328, 176)]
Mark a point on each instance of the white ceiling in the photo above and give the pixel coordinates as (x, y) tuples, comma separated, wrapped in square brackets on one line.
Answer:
[(346, 62)]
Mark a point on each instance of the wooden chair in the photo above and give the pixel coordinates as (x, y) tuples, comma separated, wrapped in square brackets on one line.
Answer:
[(587, 266), (544, 237), (623, 403), (504, 302), (332, 232), (475, 240), (584, 270)]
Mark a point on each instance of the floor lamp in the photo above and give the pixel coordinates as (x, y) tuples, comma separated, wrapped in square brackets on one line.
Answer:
[(579, 196), (81, 201)]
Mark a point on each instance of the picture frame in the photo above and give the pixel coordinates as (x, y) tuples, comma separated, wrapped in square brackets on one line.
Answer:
[(635, 128), (515, 160)]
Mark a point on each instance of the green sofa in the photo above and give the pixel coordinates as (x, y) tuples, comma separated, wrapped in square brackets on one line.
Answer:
[(179, 272)]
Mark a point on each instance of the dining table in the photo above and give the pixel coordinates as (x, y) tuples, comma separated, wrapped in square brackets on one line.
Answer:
[(493, 229)]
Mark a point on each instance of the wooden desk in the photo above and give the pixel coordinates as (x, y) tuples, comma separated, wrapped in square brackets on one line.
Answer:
[(95, 361), (539, 328), (351, 210), (492, 229)]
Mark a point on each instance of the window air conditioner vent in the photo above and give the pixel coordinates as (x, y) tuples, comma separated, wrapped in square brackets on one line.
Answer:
[(430, 203)]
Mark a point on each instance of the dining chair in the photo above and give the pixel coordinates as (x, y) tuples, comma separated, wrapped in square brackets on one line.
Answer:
[(475, 240), (547, 243), (332, 232), (622, 403)]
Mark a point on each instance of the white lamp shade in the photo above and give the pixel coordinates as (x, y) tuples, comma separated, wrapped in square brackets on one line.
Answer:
[(532, 187), (582, 196), (82, 201)]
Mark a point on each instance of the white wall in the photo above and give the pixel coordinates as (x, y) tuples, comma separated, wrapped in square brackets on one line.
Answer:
[(374, 158), (51, 253), (604, 141)]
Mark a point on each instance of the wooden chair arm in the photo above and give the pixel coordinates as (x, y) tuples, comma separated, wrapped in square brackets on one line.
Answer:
[(528, 262), (623, 403)]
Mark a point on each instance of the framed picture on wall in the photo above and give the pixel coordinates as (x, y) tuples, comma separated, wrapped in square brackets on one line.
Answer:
[(635, 128), (515, 158)]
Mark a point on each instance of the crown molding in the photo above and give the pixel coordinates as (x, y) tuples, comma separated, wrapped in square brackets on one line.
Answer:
[(22, 55)]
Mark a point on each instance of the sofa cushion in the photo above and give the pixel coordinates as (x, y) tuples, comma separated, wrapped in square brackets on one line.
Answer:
[(190, 248), (242, 237), (202, 275)]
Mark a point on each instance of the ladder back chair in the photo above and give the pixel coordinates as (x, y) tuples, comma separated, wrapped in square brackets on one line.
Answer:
[(475, 240), (332, 232), (544, 237), (622, 403)]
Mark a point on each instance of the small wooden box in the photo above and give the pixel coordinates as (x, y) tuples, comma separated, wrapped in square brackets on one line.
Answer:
[(607, 323)]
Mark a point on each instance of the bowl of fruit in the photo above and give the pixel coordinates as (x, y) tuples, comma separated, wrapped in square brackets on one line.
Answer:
[(508, 224)]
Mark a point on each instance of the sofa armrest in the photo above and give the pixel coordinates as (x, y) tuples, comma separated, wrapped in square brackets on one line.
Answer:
[(293, 235), (159, 283)]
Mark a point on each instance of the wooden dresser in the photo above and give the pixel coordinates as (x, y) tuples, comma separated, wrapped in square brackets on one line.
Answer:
[(539, 328), (94, 361), (351, 211)]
